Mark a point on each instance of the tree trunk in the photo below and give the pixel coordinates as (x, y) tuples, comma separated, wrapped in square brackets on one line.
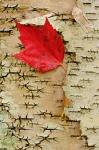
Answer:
[(31, 103)]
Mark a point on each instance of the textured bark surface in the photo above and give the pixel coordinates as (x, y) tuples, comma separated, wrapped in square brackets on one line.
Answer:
[(29, 101)]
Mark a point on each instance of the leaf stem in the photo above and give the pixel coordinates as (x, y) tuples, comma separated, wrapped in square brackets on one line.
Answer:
[(63, 67)]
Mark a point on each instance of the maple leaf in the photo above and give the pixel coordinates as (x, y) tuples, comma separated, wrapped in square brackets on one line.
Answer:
[(44, 48)]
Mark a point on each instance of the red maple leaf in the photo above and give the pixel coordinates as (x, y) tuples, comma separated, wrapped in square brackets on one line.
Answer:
[(44, 48)]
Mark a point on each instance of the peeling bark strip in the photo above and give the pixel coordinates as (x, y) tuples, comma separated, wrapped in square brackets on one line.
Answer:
[(44, 50), (80, 17)]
